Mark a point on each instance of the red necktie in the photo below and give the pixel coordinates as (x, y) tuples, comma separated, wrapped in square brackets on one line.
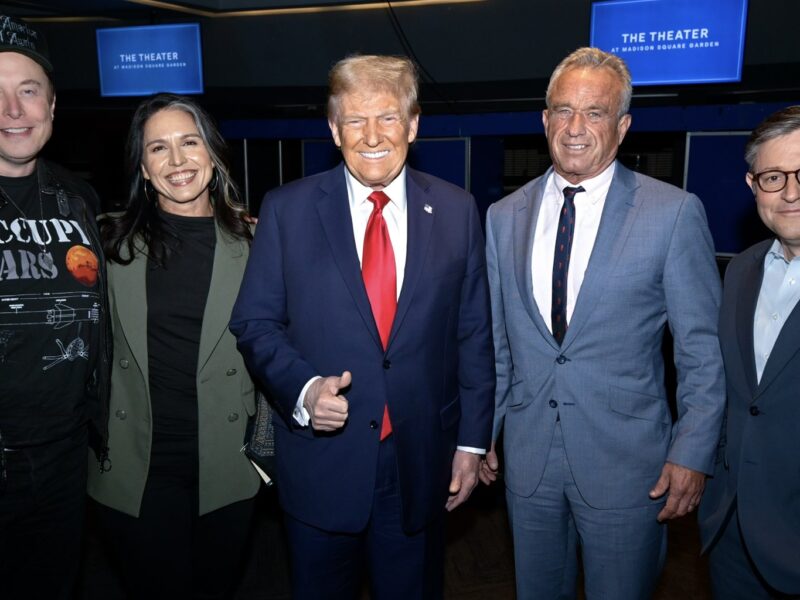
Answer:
[(380, 279)]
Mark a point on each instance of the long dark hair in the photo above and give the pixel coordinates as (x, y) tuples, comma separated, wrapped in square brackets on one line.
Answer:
[(141, 219)]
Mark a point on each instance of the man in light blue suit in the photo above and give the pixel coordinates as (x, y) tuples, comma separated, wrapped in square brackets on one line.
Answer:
[(588, 264)]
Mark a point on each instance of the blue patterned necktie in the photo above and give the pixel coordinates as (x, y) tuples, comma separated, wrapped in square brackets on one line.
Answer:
[(566, 227)]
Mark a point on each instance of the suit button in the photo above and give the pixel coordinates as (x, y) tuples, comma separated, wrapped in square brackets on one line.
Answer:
[(754, 411), (387, 364), (373, 424), (561, 359), (233, 417), (230, 372), (121, 414), (123, 363), (553, 403)]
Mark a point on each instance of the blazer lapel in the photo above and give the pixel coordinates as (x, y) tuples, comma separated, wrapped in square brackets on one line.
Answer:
[(786, 347), (419, 229), (615, 225), (230, 257), (130, 297), (334, 211), (745, 313), (526, 216)]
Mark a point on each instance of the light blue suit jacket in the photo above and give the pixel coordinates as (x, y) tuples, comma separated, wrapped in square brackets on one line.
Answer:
[(652, 265)]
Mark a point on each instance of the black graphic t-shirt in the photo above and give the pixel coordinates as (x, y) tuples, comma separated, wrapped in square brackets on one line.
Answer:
[(49, 315)]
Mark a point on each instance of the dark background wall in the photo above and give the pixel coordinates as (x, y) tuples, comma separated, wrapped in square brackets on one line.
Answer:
[(484, 70), (474, 53)]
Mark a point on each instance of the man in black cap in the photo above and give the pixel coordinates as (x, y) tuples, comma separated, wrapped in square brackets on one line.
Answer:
[(53, 355)]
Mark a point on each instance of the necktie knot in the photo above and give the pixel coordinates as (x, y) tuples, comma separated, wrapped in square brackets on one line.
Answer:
[(569, 192), (379, 199)]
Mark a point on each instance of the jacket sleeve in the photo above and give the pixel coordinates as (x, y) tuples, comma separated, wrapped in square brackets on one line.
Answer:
[(260, 317), (692, 294)]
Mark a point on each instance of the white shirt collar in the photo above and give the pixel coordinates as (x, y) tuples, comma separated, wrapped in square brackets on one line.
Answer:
[(600, 182), (358, 193)]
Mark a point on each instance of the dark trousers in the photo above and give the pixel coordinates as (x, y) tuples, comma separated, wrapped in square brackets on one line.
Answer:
[(169, 551), (330, 566), (733, 574), (42, 506)]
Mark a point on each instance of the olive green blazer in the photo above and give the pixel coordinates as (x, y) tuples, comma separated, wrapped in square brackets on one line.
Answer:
[(225, 393)]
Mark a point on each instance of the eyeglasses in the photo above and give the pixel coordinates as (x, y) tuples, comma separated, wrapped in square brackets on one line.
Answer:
[(774, 180)]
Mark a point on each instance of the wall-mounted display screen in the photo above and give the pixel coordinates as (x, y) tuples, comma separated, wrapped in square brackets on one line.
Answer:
[(673, 41), (139, 61)]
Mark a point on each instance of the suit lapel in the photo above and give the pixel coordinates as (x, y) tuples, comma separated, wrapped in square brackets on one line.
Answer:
[(525, 218), (786, 347), (130, 296), (745, 313), (419, 229), (226, 277), (615, 225), (333, 208)]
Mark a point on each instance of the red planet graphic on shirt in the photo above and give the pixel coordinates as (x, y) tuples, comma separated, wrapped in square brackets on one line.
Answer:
[(82, 263)]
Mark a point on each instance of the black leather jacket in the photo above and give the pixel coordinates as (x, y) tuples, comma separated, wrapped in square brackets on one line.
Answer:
[(77, 199)]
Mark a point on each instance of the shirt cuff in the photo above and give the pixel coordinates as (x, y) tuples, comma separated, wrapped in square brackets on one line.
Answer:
[(300, 413), (471, 450)]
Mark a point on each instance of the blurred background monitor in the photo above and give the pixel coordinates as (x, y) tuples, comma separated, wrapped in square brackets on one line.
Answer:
[(139, 61), (668, 42)]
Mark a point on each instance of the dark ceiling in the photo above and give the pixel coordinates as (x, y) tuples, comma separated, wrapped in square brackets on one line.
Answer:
[(474, 56), (132, 9), (73, 8)]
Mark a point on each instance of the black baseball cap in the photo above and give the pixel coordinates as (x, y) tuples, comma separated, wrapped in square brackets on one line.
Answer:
[(18, 36)]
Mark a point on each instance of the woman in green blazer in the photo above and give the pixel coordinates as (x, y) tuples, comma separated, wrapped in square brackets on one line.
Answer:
[(177, 501)]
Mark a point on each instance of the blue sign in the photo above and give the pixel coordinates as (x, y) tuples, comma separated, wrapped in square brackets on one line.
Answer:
[(673, 41), (139, 61)]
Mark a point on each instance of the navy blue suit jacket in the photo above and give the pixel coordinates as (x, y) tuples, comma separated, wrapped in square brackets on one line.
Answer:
[(758, 463), (303, 311)]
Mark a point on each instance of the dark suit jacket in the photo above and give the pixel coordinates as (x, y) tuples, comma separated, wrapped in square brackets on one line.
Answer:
[(303, 311), (758, 464)]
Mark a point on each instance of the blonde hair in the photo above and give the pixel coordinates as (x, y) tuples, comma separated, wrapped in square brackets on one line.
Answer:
[(394, 74)]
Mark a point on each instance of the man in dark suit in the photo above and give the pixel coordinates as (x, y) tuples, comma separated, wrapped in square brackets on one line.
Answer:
[(365, 311), (587, 265), (750, 515)]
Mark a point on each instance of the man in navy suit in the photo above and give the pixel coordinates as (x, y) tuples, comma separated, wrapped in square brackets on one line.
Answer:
[(365, 312), (588, 264), (750, 515)]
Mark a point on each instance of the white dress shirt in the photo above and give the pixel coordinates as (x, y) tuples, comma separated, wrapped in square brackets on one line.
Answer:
[(394, 213), (588, 210), (780, 291)]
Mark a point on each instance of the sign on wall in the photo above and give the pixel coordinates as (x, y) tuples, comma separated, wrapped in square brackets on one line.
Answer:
[(673, 41), (139, 61)]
